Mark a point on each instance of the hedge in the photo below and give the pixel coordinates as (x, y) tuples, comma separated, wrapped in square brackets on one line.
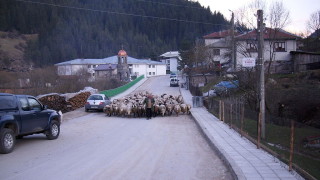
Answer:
[(121, 89)]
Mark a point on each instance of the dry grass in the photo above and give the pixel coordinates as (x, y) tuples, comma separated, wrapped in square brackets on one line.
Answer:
[(13, 44)]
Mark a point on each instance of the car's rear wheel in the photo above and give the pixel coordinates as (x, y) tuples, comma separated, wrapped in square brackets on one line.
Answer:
[(54, 130), (7, 140)]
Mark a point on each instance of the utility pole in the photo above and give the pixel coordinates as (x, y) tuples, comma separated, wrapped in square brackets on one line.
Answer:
[(261, 64), (233, 54)]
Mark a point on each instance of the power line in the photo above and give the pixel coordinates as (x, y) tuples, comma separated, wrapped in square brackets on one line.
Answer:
[(119, 13), (170, 4)]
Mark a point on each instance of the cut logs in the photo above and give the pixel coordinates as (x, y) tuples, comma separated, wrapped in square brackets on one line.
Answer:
[(58, 102)]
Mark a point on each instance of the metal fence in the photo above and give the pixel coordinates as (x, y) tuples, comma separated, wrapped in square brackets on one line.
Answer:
[(297, 145), (121, 89)]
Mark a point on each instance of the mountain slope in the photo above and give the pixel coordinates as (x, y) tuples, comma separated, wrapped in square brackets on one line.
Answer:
[(99, 28)]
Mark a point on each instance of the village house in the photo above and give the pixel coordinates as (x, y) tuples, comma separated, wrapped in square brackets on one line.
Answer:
[(120, 66), (171, 59), (277, 43)]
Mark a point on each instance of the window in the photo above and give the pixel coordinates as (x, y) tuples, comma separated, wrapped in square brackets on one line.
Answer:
[(216, 52), (153, 73), (24, 104), (7, 102), (150, 73), (153, 66), (279, 46), (34, 104), (251, 47), (89, 66), (149, 66), (136, 65)]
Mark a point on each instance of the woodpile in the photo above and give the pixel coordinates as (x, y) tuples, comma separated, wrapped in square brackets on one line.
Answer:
[(58, 102), (55, 102), (79, 100)]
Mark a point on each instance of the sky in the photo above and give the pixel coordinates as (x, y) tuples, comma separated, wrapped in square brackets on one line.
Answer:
[(300, 10)]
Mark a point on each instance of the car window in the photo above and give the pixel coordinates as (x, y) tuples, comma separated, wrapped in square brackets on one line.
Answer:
[(34, 104), (95, 97), (24, 104), (7, 102)]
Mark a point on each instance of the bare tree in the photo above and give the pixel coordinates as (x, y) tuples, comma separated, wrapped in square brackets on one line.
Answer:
[(314, 22), (246, 15), (279, 17)]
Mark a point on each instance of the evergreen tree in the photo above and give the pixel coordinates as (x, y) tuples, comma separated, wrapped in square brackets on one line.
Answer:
[(98, 28)]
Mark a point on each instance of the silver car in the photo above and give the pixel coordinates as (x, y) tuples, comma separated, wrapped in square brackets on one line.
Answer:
[(96, 102)]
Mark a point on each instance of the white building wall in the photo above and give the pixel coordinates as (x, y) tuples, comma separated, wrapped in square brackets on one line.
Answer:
[(173, 65), (279, 56), (210, 41), (139, 69), (161, 70)]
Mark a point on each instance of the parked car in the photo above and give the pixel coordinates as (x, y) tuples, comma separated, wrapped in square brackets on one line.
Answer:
[(96, 102), (173, 75), (174, 82), (22, 115)]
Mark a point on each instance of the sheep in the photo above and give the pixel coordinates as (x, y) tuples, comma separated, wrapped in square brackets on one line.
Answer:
[(183, 108), (177, 109), (162, 109), (108, 110), (134, 105), (188, 108)]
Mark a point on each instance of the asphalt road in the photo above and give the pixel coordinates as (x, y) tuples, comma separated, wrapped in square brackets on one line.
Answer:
[(93, 146)]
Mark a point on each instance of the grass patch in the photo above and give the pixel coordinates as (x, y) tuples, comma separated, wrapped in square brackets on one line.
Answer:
[(280, 136)]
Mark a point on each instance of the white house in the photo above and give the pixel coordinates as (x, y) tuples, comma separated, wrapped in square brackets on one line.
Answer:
[(136, 66), (171, 59), (277, 43), (219, 45)]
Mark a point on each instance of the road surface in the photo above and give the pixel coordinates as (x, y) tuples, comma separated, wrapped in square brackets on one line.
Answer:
[(94, 146)]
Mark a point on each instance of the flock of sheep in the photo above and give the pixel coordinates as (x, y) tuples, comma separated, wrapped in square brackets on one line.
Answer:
[(133, 105)]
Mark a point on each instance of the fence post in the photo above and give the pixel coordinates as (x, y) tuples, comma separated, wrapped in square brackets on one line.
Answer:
[(242, 118), (222, 111), (220, 103), (259, 130), (291, 145), (230, 116)]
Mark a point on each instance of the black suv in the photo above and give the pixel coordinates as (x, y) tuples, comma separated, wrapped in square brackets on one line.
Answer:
[(22, 115)]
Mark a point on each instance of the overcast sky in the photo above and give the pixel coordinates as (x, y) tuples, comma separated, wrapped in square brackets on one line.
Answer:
[(300, 10)]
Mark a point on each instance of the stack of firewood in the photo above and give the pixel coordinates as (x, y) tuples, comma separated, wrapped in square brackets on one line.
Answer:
[(59, 103), (55, 102), (79, 100)]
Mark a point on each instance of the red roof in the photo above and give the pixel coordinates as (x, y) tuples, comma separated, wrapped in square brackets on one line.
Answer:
[(220, 34), (269, 34)]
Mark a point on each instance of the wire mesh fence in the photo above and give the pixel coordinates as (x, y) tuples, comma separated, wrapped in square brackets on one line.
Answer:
[(295, 144)]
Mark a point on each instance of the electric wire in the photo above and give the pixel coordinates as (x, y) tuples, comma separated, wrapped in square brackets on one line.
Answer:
[(119, 13), (170, 4)]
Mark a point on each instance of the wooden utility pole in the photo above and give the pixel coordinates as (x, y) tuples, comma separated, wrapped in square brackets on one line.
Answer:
[(260, 38), (233, 49), (291, 145)]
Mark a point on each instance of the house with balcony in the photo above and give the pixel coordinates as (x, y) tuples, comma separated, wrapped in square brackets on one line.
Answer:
[(277, 47)]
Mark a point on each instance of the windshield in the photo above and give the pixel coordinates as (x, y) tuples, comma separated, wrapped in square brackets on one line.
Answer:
[(7, 102), (95, 97)]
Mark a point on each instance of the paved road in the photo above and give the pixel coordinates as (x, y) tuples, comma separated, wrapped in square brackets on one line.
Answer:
[(97, 147)]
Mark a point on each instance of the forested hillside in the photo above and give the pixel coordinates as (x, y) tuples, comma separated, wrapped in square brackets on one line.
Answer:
[(99, 28)]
